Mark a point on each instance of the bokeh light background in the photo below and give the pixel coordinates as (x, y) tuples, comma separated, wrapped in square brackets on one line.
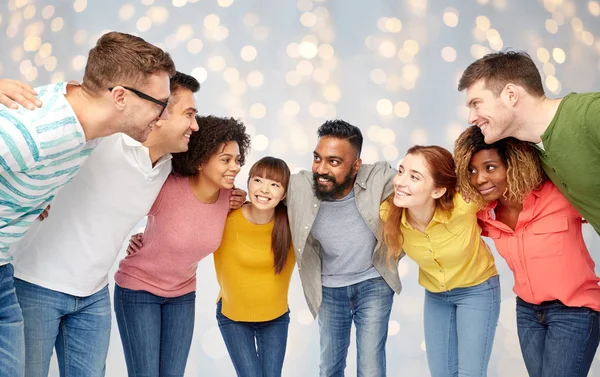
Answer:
[(283, 67)]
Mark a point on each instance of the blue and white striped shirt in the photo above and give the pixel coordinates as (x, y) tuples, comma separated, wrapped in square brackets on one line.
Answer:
[(40, 151)]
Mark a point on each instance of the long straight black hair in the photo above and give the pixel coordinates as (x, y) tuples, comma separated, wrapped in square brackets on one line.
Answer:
[(276, 170)]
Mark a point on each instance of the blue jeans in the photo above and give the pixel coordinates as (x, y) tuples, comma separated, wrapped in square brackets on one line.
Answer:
[(156, 332), (368, 304), (12, 341), (557, 340), (79, 328), (460, 325), (257, 349)]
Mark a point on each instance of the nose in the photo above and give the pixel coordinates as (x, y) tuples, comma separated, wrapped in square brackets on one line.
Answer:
[(194, 126), (235, 166), (472, 116), (321, 168), (399, 180), (480, 178), (264, 187)]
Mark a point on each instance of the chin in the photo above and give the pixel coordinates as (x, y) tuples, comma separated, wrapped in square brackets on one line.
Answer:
[(140, 137), (490, 139), (490, 198), (400, 202), (263, 206)]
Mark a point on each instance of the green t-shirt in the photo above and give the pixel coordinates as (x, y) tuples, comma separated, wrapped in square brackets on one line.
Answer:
[(571, 154)]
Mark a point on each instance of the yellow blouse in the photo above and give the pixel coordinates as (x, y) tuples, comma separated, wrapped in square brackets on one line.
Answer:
[(450, 253)]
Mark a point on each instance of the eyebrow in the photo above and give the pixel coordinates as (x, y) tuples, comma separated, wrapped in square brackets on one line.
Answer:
[(471, 101), (329, 157), (412, 171), (192, 109), (227, 155), (417, 172)]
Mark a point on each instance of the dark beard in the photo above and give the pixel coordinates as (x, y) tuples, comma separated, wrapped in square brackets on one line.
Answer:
[(336, 190)]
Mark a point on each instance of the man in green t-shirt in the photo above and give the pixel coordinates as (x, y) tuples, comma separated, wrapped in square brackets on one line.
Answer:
[(506, 98)]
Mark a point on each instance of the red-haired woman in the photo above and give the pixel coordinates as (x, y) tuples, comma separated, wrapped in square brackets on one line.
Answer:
[(428, 219)]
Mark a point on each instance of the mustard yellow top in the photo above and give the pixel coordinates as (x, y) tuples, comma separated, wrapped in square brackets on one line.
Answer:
[(250, 290), (450, 253)]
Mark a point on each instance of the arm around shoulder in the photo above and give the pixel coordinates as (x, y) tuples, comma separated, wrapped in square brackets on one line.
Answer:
[(387, 174)]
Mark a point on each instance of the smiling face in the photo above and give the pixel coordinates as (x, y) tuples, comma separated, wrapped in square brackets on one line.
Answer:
[(335, 165), (265, 193), (488, 174), (173, 135), (222, 167), (489, 112), (414, 185), (139, 114)]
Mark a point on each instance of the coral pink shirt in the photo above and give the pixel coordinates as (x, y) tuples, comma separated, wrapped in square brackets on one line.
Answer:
[(546, 251), (181, 231)]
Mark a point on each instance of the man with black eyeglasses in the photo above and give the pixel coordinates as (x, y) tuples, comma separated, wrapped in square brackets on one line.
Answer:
[(41, 150)]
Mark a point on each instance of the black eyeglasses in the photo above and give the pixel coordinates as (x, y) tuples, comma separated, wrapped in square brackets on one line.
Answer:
[(147, 98)]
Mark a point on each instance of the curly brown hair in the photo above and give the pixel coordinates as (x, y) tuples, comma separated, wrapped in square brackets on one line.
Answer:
[(524, 172), (212, 133)]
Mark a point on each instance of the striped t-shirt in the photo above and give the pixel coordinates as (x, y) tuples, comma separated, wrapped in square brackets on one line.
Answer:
[(40, 151)]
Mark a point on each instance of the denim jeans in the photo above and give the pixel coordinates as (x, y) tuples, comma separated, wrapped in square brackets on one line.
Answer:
[(557, 340), (12, 341), (156, 332), (257, 349), (460, 325), (79, 328), (368, 304)]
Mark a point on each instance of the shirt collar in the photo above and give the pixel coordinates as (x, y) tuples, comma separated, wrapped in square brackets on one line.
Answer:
[(439, 216), (131, 142), (486, 212), (361, 178), (144, 151), (442, 216)]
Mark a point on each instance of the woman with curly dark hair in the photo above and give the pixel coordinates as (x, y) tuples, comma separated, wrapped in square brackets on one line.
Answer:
[(538, 233), (155, 288)]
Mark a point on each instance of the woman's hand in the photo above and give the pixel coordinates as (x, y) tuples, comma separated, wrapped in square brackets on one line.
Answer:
[(135, 244)]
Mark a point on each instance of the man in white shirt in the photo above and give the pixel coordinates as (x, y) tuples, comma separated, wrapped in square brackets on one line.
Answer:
[(62, 264), (125, 88)]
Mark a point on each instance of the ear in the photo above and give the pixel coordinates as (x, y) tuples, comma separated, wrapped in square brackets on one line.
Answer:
[(357, 164), (510, 94), (438, 192), (119, 97)]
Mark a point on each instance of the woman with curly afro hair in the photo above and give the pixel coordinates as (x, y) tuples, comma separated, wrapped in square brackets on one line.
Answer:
[(539, 234), (155, 290)]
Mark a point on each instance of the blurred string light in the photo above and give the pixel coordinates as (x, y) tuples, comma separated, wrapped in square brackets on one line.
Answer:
[(284, 86)]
